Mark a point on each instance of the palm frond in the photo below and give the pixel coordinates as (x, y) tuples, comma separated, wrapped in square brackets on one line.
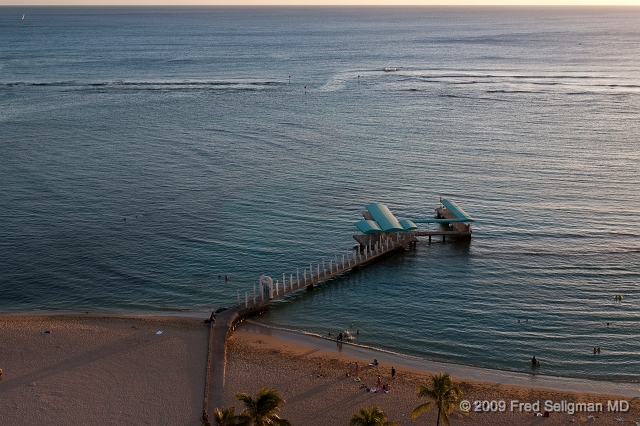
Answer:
[(442, 393), (422, 408)]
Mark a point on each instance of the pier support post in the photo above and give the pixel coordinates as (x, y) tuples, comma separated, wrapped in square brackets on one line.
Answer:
[(271, 290), (318, 271), (331, 267), (305, 276), (290, 282), (277, 288), (324, 270), (246, 299), (343, 261), (311, 271), (298, 276), (254, 294), (284, 284)]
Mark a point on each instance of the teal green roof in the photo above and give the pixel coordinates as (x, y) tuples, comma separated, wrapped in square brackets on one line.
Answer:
[(385, 221), (368, 227), (456, 210), (434, 220), (383, 216), (408, 225)]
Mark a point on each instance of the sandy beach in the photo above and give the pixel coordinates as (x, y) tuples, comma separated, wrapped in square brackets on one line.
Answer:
[(259, 360), (119, 371), (93, 370)]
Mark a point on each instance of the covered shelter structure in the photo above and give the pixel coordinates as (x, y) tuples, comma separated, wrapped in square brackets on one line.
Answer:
[(379, 224)]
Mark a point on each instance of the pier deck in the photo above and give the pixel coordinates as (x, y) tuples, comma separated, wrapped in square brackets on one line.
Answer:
[(226, 320), (379, 237)]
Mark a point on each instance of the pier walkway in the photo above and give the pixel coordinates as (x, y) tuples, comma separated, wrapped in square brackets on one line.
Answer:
[(266, 291), (381, 234)]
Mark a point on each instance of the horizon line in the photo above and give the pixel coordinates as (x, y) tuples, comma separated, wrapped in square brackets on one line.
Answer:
[(328, 3)]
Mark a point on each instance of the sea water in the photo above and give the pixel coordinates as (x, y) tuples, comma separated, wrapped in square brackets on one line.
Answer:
[(147, 153)]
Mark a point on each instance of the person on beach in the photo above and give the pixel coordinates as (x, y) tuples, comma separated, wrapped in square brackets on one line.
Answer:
[(356, 367), (378, 384), (534, 362), (393, 373), (340, 337)]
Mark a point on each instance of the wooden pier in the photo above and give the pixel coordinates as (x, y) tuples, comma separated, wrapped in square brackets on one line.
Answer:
[(256, 301), (381, 235), (266, 290)]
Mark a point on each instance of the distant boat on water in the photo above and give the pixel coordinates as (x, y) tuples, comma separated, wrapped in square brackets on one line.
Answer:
[(390, 69), (23, 16)]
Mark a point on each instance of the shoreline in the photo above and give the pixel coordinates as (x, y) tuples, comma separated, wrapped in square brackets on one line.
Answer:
[(120, 370), (109, 314), (468, 372), (459, 371), (312, 375)]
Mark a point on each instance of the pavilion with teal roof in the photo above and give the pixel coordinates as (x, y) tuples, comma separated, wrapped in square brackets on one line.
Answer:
[(380, 223)]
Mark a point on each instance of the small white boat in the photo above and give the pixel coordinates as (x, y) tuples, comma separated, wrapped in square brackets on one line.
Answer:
[(390, 69), (23, 16)]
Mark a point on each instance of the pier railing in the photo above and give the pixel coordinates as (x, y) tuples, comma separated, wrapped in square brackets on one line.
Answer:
[(267, 290)]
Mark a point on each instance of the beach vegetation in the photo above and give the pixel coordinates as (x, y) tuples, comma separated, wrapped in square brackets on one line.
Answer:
[(225, 416), (261, 411), (372, 416), (442, 393)]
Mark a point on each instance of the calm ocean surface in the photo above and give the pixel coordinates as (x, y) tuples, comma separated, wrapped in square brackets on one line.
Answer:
[(195, 126)]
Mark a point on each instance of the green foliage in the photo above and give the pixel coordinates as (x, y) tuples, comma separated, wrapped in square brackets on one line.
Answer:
[(372, 416), (442, 394), (262, 411), (225, 416)]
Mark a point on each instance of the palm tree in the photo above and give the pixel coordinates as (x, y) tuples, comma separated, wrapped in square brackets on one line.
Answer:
[(372, 416), (442, 393), (261, 411), (225, 416)]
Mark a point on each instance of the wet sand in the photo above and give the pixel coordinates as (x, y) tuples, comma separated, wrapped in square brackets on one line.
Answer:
[(118, 371), (257, 360)]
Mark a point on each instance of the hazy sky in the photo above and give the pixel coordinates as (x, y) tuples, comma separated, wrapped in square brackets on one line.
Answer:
[(327, 2)]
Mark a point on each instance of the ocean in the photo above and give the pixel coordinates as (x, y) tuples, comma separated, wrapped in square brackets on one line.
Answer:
[(146, 152)]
